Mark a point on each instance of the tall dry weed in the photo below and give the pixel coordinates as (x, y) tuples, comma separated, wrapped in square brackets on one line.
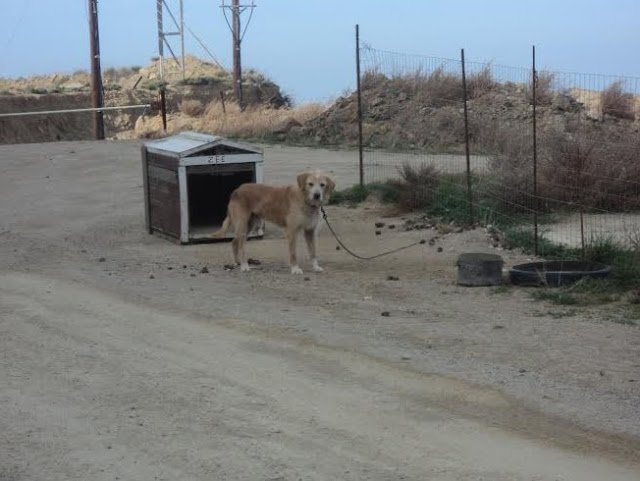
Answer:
[(588, 168), (258, 122), (618, 103)]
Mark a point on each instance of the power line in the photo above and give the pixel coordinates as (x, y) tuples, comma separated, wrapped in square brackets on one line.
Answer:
[(16, 27), (204, 47)]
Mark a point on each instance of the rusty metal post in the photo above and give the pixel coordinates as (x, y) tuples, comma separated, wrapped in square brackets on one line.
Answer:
[(360, 146), (534, 81), (467, 148), (96, 74), (224, 108), (163, 108)]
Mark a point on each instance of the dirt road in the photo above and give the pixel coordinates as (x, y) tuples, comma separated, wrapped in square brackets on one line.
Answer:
[(123, 359)]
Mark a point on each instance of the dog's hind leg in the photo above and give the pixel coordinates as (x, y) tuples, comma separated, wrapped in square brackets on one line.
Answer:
[(239, 242), (239, 218), (254, 223)]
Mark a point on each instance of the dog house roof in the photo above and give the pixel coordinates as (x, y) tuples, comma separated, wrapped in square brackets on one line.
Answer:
[(187, 144)]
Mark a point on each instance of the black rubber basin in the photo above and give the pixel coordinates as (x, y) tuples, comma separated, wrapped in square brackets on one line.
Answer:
[(556, 273)]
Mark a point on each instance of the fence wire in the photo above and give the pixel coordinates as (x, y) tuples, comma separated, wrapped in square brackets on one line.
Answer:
[(582, 186)]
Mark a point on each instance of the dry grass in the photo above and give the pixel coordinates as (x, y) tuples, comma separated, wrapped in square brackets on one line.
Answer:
[(258, 122), (438, 89), (191, 108), (590, 168), (255, 122)]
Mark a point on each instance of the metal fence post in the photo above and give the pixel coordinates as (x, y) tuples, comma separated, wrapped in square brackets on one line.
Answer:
[(466, 138), (534, 81), (360, 147)]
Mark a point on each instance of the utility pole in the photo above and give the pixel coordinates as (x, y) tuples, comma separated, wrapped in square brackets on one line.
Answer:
[(237, 35), (96, 74), (237, 65)]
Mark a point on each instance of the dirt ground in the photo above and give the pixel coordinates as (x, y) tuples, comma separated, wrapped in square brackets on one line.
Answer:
[(122, 358)]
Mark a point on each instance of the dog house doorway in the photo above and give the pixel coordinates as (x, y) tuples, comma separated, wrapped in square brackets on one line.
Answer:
[(210, 188)]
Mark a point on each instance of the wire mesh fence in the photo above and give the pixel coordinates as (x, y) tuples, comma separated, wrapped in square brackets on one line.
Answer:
[(553, 158)]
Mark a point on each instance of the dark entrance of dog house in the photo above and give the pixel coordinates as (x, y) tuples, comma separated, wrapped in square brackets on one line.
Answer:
[(188, 179)]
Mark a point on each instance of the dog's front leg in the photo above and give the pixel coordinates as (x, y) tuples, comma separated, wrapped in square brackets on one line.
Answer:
[(310, 237), (293, 259)]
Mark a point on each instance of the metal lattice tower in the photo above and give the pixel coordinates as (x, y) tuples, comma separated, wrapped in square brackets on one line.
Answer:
[(164, 36)]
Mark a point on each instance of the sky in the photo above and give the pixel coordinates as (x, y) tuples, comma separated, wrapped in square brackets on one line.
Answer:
[(308, 46)]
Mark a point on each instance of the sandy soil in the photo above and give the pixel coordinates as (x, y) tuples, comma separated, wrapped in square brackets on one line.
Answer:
[(121, 359)]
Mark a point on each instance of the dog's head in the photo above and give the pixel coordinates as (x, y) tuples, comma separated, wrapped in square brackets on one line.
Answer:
[(316, 187)]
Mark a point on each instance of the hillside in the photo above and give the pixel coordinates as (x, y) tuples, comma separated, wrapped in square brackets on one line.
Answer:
[(203, 82)]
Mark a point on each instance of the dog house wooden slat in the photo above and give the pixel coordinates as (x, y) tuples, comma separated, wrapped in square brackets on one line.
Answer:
[(188, 179)]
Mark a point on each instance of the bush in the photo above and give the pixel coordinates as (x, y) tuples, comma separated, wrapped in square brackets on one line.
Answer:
[(352, 195), (438, 88), (617, 103), (544, 89), (191, 108), (154, 84), (481, 83), (111, 87), (586, 168), (415, 187), (201, 81)]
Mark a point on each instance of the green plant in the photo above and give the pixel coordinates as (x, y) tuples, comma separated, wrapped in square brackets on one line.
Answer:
[(109, 86), (449, 200), (556, 297), (154, 85), (501, 289), (201, 81), (352, 195)]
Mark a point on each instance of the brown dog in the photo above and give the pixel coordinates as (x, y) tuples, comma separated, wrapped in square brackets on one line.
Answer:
[(295, 208)]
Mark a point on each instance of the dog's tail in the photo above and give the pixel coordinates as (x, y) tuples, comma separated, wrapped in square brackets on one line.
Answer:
[(226, 225)]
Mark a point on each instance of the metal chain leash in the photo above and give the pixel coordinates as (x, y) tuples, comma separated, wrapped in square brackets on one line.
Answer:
[(364, 258)]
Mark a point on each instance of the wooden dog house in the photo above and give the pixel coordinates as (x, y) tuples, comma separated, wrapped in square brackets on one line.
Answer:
[(188, 179)]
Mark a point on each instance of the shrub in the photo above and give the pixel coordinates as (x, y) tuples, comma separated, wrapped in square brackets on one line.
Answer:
[(415, 187), (155, 84), (352, 195), (109, 86), (617, 103), (439, 88), (200, 81), (481, 83), (544, 89), (586, 168)]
